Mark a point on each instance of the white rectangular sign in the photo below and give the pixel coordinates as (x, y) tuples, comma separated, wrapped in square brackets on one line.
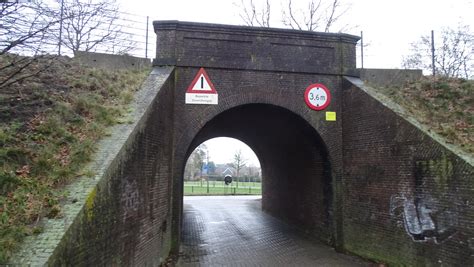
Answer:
[(206, 99)]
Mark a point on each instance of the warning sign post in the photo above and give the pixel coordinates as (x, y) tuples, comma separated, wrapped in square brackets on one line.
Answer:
[(201, 90)]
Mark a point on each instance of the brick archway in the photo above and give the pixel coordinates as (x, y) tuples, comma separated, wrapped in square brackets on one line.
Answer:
[(264, 71), (296, 169)]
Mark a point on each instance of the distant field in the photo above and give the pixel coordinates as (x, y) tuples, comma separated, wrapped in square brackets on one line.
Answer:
[(219, 188)]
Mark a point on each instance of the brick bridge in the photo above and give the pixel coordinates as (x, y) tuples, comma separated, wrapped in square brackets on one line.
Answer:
[(370, 183)]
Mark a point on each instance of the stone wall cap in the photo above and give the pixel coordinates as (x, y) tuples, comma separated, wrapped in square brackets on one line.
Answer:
[(250, 30)]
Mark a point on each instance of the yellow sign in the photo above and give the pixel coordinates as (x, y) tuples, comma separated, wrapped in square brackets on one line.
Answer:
[(330, 116)]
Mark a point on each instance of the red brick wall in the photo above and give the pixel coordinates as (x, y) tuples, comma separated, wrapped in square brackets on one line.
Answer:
[(407, 200), (297, 148)]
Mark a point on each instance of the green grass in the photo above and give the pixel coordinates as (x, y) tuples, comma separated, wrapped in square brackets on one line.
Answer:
[(47, 135), (219, 188), (444, 105)]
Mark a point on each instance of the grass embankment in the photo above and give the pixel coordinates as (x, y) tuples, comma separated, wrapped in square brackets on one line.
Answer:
[(219, 188), (49, 127), (446, 106)]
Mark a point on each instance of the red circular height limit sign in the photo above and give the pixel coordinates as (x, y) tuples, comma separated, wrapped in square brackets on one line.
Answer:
[(317, 96)]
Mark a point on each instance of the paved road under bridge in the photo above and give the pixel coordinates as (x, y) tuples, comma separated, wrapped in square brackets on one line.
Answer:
[(233, 231)]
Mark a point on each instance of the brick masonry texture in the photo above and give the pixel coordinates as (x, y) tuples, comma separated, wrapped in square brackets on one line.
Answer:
[(261, 83), (407, 198), (259, 108), (251, 48), (370, 183)]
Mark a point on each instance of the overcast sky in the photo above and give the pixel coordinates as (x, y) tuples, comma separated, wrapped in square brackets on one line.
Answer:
[(389, 28)]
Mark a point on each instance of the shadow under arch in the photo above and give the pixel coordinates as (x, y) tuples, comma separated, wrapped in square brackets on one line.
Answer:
[(296, 169)]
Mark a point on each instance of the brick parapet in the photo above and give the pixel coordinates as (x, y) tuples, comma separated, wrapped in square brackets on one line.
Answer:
[(190, 44)]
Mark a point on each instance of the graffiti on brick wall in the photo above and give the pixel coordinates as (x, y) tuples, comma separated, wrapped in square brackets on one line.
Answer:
[(130, 198), (422, 218)]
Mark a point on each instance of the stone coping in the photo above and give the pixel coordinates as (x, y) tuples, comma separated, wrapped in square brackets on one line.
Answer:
[(251, 30)]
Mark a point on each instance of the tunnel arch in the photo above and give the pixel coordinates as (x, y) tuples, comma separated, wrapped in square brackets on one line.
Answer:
[(295, 162)]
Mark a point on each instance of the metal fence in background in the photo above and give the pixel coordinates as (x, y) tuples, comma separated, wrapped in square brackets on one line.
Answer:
[(138, 35), (27, 28), (220, 188)]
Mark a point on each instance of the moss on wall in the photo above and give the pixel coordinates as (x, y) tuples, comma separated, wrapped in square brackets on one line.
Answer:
[(89, 206)]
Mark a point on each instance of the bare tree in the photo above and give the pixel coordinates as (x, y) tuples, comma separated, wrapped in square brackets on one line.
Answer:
[(238, 164), (16, 30), (91, 25), (198, 158), (25, 28), (300, 20), (254, 16), (453, 53), (317, 15), (30, 30)]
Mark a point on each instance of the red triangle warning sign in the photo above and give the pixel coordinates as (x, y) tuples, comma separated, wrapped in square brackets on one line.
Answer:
[(201, 84)]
